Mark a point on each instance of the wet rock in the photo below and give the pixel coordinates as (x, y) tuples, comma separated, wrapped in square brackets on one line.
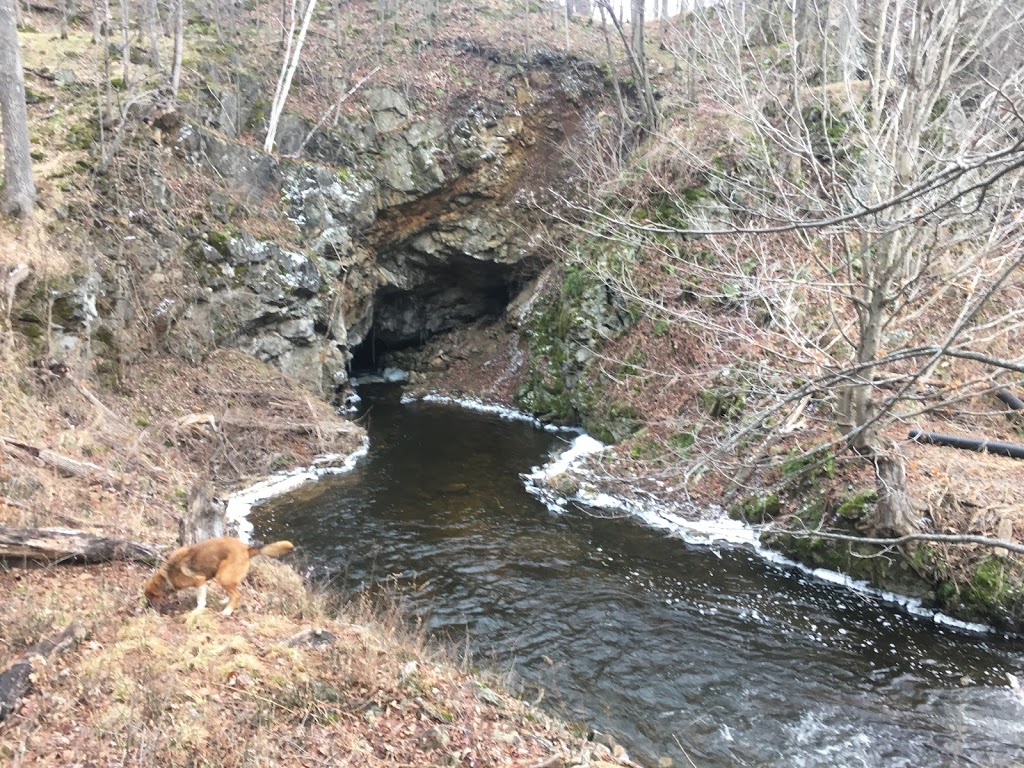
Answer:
[(407, 168), (233, 100), (385, 99), (239, 166), (564, 484), (292, 131), (333, 243), (313, 637), (319, 199)]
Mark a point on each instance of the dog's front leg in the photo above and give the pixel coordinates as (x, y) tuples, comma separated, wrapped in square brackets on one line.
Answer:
[(200, 599)]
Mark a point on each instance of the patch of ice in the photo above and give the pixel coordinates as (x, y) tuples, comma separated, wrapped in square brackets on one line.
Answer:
[(504, 411), (387, 376), (716, 532), (239, 504)]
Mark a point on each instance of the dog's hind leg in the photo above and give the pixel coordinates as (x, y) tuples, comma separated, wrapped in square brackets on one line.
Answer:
[(234, 598)]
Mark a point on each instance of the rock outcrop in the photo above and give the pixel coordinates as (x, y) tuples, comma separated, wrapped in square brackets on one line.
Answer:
[(405, 223)]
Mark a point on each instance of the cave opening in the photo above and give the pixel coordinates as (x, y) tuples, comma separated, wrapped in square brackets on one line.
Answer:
[(404, 321), (368, 357)]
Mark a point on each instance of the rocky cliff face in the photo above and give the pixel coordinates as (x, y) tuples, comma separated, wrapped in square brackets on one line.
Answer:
[(396, 222)]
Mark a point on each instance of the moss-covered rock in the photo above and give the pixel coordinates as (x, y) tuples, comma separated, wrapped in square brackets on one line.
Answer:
[(756, 509), (989, 590), (857, 505)]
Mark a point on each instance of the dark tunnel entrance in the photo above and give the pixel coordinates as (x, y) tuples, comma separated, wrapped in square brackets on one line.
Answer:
[(404, 321)]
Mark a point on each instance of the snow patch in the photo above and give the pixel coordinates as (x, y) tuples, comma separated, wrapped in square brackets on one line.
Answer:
[(240, 503), (718, 531), (387, 376), (504, 411)]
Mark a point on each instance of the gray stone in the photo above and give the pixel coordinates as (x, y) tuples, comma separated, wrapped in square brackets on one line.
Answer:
[(238, 165), (298, 329), (383, 99), (333, 243), (65, 77)]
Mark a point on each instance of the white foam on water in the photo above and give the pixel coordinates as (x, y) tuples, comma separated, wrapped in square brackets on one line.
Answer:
[(472, 404), (719, 531), (240, 503)]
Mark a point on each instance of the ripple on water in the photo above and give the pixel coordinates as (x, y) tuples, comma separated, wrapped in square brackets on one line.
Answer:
[(663, 644)]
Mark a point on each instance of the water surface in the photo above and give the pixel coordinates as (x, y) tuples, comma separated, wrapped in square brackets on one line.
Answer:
[(693, 654)]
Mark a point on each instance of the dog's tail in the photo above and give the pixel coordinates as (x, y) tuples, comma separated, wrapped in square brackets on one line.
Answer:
[(276, 549)]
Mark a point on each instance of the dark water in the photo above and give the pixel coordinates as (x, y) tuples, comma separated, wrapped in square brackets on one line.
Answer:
[(681, 652)]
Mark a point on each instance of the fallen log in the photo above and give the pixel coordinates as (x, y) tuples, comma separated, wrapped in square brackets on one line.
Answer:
[(66, 465), (60, 544), (16, 680), (1013, 450)]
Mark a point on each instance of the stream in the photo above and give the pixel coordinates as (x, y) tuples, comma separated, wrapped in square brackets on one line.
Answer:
[(695, 654)]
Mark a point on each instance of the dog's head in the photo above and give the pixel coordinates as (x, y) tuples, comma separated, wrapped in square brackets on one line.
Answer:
[(158, 588)]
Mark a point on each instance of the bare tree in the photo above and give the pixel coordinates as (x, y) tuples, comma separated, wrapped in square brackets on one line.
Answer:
[(19, 191), (179, 46), (289, 64), (149, 22), (633, 45), (877, 197)]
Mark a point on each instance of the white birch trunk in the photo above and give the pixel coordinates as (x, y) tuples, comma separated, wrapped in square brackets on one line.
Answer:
[(291, 63), (179, 45)]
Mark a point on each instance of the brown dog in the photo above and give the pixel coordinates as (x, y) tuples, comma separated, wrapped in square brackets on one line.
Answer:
[(225, 560)]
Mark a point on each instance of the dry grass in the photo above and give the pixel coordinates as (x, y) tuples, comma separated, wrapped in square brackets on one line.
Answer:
[(168, 689), (149, 689)]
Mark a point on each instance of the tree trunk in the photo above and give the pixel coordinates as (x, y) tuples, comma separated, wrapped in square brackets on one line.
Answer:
[(288, 67), (635, 57), (19, 190), (636, 20), (126, 41), (152, 19), (179, 45), (895, 513), (204, 518), (96, 24), (61, 544), (66, 465)]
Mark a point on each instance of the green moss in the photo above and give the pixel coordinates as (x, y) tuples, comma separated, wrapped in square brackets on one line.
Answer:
[(82, 135), (989, 584), (722, 404), (220, 239), (682, 441), (756, 509), (257, 117), (645, 449), (810, 465), (857, 505), (575, 283), (33, 96), (31, 330)]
